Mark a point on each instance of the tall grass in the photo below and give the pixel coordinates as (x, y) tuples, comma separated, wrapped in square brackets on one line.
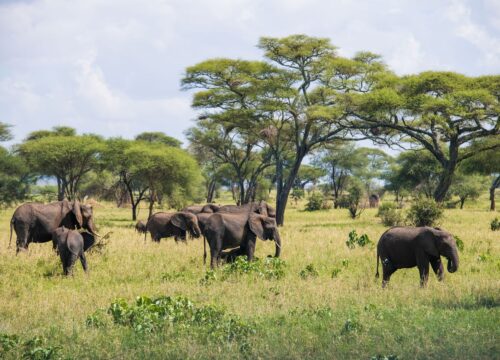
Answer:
[(341, 312)]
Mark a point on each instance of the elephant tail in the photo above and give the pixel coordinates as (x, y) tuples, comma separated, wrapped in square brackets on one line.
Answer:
[(376, 274), (204, 250), (11, 225)]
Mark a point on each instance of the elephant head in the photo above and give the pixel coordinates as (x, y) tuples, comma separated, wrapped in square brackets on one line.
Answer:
[(265, 228), (264, 208), (444, 245), (83, 215), (186, 222), (210, 208)]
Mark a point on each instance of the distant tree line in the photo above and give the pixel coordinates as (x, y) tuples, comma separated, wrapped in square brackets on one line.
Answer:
[(285, 123), (304, 98)]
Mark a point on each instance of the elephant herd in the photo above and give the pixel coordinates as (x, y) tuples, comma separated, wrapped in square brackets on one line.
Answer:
[(70, 226)]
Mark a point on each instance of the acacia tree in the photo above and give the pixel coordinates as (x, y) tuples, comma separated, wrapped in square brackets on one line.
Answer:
[(227, 128), (486, 163), (67, 158), (442, 112), (290, 102), (158, 137), (151, 170), (14, 175)]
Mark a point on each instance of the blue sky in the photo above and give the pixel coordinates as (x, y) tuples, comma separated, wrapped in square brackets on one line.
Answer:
[(113, 67)]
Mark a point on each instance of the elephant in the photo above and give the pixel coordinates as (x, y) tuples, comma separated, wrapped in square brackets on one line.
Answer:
[(35, 222), (70, 245), (162, 225), (197, 209), (140, 227), (231, 230), (374, 200), (261, 207), (407, 247)]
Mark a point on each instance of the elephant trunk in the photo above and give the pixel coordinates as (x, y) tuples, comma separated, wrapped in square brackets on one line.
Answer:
[(195, 231), (90, 226), (453, 261), (277, 240)]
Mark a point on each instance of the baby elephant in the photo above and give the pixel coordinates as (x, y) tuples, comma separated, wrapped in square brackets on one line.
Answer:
[(407, 247), (141, 227), (70, 244)]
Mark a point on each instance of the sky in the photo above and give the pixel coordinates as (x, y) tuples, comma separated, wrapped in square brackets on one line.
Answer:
[(113, 67)]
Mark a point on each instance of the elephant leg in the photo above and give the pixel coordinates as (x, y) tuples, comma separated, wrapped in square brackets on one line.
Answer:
[(423, 267), (83, 260), (22, 233), (250, 249), (388, 269), (70, 263), (437, 267)]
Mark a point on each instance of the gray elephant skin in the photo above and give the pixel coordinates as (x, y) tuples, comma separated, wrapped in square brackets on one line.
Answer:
[(407, 247), (70, 245), (35, 222), (141, 226), (225, 231), (164, 225)]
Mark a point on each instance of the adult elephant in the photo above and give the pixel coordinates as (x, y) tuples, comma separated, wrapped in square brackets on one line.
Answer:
[(260, 207), (163, 225), (230, 230), (197, 209), (407, 247), (34, 222)]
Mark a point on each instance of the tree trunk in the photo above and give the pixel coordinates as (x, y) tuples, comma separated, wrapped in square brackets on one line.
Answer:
[(211, 191), (462, 201), (134, 211), (60, 189), (444, 184), (282, 197)]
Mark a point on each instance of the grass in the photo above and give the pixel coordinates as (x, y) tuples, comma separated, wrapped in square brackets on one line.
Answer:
[(325, 303)]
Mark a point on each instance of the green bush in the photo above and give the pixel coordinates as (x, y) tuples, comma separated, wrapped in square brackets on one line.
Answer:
[(354, 240), (308, 272), (315, 202), (269, 268), (495, 224), (389, 214), (424, 212)]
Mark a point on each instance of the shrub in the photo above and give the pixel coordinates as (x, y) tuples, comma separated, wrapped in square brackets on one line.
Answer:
[(309, 271), (495, 224), (424, 212), (315, 202), (460, 243), (389, 214), (150, 315), (354, 239), (269, 268), (355, 195)]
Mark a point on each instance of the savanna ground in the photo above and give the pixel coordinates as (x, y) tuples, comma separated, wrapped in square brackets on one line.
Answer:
[(326, 303)]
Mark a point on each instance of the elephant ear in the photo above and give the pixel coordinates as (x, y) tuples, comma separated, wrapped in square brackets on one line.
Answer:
[(179, 220), (255, 224), (78, 212), (432, 247)]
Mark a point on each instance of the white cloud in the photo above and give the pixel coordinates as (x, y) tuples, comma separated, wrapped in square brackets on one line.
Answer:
[(113, 67), (460, 14)]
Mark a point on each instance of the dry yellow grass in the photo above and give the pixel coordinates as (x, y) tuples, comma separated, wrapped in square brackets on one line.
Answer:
[(458, 318)]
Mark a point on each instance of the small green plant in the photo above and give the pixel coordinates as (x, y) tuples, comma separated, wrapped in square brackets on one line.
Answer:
[(336, 272), (151, 315), (208, 278), (315, 202), (460, 243), (351, 326), (309, 272), (424, 212), (354, 240), (495, 224), (96, 320), (8, 342), (173, 275), (345, 263)]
